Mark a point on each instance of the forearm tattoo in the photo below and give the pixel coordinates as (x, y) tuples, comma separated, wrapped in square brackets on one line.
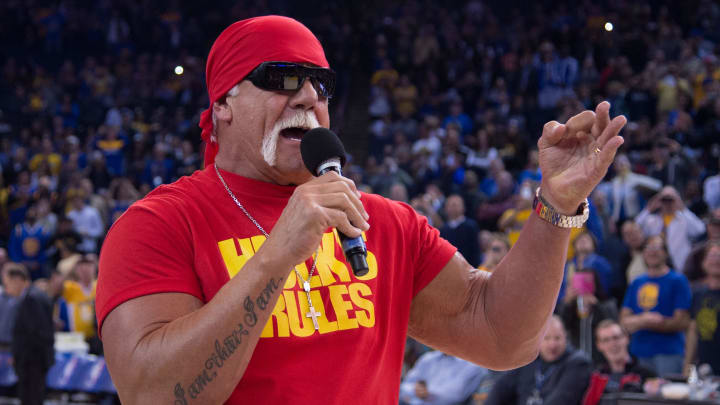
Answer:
[(223, 349)]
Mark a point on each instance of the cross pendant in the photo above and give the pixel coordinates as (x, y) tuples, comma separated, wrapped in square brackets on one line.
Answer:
[(311, 314)]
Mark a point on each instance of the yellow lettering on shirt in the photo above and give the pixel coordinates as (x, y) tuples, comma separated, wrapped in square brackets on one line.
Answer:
[(357, 292), (342, 307), (257, 241), (234, 261), (328, 264), (280, 318), (325, 325), (301, 268), (291, 281), (349, 301), (294, 312)]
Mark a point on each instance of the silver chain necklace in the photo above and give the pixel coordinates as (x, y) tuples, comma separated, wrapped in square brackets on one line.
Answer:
[(306, 283)]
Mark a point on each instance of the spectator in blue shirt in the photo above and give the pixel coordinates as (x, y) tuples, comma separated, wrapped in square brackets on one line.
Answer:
[(160, 168), (440, 379), (113, 146), (586, 258), (656, 312), (459, 118), (28, 244)]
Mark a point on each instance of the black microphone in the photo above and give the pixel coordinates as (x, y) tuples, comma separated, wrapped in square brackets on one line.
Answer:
[(322, 151)]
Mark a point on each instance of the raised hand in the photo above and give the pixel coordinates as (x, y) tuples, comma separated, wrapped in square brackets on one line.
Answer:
[(575, 156)]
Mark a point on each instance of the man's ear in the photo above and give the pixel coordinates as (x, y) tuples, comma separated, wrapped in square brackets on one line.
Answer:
[(222, 111)]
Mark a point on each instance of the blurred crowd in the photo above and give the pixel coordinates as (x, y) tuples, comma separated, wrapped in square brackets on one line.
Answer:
[(100, 100), (456, 109)]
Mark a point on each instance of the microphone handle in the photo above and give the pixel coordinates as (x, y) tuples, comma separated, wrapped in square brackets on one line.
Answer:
[(353, 248)]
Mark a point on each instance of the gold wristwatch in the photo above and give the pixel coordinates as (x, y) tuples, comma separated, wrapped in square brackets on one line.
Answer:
[(550, 214)]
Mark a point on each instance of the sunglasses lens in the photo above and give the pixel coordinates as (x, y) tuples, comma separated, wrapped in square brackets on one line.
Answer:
[(290, 76), (324, 82), (291, 82)]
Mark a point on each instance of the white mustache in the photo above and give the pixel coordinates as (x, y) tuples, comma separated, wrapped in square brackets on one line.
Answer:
[(306, 120)]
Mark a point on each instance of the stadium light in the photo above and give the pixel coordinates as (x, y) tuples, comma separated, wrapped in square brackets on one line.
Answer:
[(608, 26), (179, 70)]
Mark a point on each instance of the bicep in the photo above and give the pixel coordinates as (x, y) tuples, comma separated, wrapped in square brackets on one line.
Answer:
[(127, 327), (440, 312)]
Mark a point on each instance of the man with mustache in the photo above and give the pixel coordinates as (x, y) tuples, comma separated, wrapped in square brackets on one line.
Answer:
[(230, 286)]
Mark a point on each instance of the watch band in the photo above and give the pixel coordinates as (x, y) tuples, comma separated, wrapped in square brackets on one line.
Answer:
[(550, 214)]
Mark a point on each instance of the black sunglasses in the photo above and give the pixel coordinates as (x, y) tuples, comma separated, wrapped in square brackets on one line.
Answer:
[(291, 76)]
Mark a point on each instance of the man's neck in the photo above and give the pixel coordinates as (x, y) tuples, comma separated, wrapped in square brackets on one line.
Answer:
[(618, 365), (267, 174), (658, 271), (456, 221), (713, 282)]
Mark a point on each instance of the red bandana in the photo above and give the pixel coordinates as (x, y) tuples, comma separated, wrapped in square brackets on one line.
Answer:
[(244, 45)]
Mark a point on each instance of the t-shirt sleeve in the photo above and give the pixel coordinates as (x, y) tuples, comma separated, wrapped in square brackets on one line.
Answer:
[(147, 251), (429, 252)]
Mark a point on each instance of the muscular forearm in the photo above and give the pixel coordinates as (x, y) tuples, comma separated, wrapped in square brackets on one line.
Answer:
[(199, 358), (524, 287)]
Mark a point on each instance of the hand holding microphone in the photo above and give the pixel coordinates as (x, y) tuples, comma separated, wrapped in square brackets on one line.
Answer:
[(322, 151)]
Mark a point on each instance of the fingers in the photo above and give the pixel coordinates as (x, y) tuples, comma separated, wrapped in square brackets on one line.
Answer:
[(339, 185), (611, 130), (553, 132), (607, 153), (336, 201), (340, 220), (602, 119), (340, 201), (332, 177), (581, 122)]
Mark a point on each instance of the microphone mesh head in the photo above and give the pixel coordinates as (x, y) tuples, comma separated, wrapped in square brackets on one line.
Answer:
[(318, 145)]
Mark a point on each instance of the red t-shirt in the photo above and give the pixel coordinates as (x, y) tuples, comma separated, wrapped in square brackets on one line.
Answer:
[(190, 237)]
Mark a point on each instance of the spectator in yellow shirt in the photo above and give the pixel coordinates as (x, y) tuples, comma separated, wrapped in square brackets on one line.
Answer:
[(47, 156), (76, 305)]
